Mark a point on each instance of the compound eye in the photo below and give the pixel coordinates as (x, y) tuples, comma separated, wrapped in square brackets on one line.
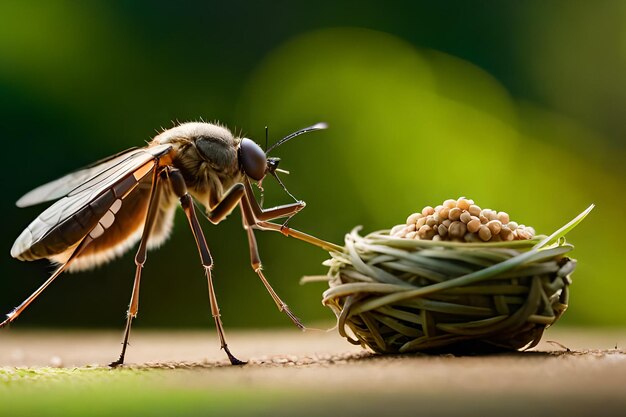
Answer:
[(252, 159)]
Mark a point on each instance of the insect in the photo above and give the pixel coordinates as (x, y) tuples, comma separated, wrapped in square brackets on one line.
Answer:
[(106, 208)]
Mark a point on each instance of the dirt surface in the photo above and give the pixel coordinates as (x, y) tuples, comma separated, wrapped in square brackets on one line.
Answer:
[(582, 374)]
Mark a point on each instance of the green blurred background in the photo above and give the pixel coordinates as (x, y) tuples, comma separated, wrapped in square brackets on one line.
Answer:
[(517, 105)]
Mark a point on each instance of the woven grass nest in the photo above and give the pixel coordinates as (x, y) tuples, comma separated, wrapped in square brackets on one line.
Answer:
[(399, 295)]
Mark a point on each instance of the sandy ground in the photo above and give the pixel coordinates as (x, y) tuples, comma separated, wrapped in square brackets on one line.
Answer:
[(587, 379)]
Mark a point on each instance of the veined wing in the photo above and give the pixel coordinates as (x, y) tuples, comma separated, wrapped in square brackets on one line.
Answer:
[(88, 209), (128, 226), (64, 185)]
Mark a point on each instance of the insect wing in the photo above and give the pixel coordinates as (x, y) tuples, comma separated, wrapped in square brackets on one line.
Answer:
[(64, 185), (87, 208)]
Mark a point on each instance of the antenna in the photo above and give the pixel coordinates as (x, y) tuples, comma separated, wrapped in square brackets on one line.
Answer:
[(318, 126)]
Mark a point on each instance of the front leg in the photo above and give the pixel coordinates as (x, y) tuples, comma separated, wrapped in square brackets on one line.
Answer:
[(257, 217), (255, 262), (259, 213)]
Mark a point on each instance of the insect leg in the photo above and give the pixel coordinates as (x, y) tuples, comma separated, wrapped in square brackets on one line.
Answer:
[(257, 219), (180, 189), (140, 260), (286, 210), (19, 309), (226, 205), (255, 262)]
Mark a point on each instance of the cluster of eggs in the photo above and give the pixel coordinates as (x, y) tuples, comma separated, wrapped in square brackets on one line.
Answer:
[(461, 220)]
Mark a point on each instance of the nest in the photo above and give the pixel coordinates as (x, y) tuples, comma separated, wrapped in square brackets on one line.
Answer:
[(400, 295)]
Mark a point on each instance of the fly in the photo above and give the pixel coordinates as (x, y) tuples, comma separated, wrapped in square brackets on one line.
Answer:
[(103, 210)]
